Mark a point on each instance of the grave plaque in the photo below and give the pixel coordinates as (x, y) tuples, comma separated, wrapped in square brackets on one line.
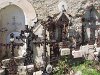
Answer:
[(64, 51), (77, 54)]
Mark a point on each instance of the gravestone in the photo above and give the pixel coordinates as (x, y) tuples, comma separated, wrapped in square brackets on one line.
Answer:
[(38, 73), (64, 51), (77, 54)]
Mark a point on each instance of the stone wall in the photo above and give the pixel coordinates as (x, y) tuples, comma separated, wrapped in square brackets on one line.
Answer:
[(74, 7), (14, 15)]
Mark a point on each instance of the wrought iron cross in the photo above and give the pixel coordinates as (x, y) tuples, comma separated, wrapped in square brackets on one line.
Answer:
[(28, 35)]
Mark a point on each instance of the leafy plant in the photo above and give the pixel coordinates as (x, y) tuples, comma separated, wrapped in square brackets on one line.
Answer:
[(87, 68), (61, 67)]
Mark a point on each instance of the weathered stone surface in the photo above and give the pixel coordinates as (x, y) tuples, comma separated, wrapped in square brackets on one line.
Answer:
[(38, 73), (44, 8), (77, 54), (19, 60), (84, 49), (91, 56), (50, 7), (21, 70), (98, 49), (15, 14), (64, 51), (2, 72), (39, 62)]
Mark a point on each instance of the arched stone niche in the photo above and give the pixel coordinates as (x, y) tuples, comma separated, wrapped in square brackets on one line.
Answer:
[(27, 8), (12, 17), (22, 11)]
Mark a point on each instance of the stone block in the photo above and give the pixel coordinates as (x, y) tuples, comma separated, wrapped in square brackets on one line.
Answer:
[(84, 49), (98, 49), (2, 72), (21, 70), (38, 73), (96, 53), (30, 68), (39, 62), (64, 51), (18, 59), (91, 56), (87, 49), (77, 54)]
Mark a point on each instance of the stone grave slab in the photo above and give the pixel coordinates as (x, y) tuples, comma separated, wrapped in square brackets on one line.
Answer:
[(84, 49), (87, 49), (77, 54), (91, 56), (38, 73), (64, 51)]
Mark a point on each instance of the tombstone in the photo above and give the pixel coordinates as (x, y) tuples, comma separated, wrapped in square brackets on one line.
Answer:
[(89, 22), (59, 25), (64, 51), (77, 54), (91, 56), (38, 73)]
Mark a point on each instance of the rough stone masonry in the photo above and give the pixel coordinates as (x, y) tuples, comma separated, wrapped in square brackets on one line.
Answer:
[(50, 7)]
